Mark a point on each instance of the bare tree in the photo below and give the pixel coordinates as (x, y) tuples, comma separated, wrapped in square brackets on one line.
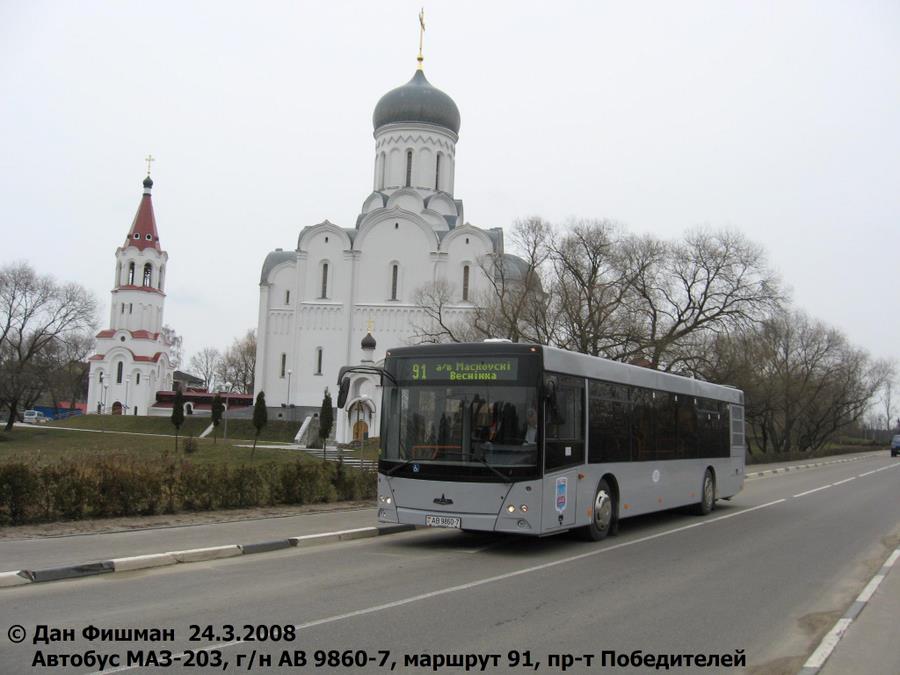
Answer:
[(803, 381), (442, 320), (204, 363), (35, 313), (711, 281), (590, 283), (238, 363)]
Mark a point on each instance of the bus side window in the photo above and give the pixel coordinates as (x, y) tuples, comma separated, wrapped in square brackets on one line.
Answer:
[(609, 429), (569, 432)]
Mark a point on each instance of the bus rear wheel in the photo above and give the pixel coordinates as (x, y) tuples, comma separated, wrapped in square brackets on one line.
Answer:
[(707, 495), (603, 520)]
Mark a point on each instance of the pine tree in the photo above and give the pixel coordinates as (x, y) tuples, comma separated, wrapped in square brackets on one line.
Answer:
[(260, 417), (217, 409), (178, 414), (326, 420)]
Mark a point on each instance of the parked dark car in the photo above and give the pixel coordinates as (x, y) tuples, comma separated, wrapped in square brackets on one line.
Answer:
[(895, 446)]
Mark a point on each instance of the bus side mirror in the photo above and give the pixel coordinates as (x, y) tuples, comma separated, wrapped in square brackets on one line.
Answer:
[(342, 392)]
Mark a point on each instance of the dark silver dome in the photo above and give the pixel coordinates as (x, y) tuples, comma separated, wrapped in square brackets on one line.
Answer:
[(417, 101)]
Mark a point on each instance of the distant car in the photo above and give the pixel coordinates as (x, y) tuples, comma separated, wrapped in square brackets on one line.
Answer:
[(37, 417), (895, 446)]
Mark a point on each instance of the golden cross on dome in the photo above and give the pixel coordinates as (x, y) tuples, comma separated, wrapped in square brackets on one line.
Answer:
[(370, 327), (148, 159), (421, 58)]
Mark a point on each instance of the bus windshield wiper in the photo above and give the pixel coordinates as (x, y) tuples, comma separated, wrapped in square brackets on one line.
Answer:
[(400, 466), (480, 458)]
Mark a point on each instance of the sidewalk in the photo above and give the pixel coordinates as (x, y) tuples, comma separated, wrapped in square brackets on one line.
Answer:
[(76, 549)]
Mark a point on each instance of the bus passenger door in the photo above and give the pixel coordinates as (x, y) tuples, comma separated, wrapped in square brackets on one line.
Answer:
[(564, 432)]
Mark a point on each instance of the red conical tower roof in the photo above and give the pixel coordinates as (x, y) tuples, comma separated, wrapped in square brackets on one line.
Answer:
[(143, 232)]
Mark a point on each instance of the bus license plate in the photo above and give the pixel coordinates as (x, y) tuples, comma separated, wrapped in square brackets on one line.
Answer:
[(442, 521)]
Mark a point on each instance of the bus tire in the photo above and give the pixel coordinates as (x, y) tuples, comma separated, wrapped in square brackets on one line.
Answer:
[(604, 512), (707, 495)]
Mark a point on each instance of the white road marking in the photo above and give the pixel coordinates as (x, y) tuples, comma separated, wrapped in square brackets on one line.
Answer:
[(894, 556), (829, 642), (870, 588), (809, 492), (846, 480), (479, 582)]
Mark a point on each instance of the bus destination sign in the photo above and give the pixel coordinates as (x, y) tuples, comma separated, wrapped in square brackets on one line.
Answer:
[(462, 370)]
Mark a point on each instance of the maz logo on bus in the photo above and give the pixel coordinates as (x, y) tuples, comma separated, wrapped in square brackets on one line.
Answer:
[(443, 501)]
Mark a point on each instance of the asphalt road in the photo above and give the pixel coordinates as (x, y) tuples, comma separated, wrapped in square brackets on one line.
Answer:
[(767, 573)]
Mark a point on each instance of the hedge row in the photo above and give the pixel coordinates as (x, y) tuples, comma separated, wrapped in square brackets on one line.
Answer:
[(113, 487)]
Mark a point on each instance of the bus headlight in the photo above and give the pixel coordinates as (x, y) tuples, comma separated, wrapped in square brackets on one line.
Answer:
[(511, 508), (524, 508), (384, 500)]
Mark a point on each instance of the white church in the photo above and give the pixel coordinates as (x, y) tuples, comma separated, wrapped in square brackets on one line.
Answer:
[(345, 295), (132, 362)]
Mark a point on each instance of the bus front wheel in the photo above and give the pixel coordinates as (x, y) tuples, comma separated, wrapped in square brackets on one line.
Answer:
[(603, 519), (707, 495)]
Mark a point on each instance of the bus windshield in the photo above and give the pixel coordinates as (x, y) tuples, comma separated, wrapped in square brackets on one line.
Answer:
[(494, 428)]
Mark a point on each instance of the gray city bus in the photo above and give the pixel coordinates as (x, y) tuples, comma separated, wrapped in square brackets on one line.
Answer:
[(530, 439)]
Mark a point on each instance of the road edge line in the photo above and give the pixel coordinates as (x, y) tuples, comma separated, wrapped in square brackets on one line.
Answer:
[(832, 638)]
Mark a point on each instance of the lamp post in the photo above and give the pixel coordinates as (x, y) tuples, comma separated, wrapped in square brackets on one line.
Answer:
[(228, 387), (105, 397)]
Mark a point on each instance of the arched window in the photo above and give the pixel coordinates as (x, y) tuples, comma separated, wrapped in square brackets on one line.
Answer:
[(408, 168), (319, 358), (437, 172), (324, 280), (383, 171), (465, 283), (395, 272), (119, 368), (137, 378), (131, 274), (148, 275), (283, 363)]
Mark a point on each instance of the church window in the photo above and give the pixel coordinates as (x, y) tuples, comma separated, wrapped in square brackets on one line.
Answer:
[(324, 280), (383, 169), (137, 378), (137, 235), (437, 172), (148, 275), (465, 284), (149, 237), (131, 274), (283, 364), (408, 168), (395, 271), (396, 226), (319, 354), (287, 297), (119, 368), (130, 307), (123, 308), (326, 240)]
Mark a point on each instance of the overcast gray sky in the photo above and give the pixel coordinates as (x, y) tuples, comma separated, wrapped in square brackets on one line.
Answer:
[(780, 119)]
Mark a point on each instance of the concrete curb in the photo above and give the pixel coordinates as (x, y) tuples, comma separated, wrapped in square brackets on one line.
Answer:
[(818, 658), (798, 467), (139, 562)]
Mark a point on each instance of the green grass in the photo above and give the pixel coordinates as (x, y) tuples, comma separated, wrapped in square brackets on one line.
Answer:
[(42, 445), (275, 430)]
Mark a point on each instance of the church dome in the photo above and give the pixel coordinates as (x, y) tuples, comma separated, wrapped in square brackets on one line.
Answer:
[(368, 342), (417, 101)]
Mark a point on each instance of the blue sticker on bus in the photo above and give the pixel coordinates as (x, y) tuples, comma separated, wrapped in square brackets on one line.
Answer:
[(562, 486), (415, 468)]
